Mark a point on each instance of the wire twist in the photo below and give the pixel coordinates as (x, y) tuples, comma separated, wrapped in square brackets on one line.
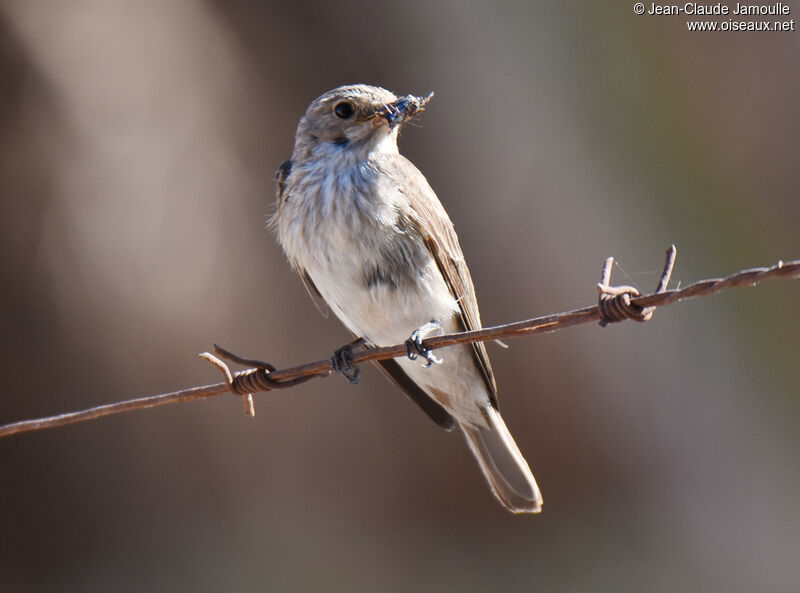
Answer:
[(252, 380), (614, 302)]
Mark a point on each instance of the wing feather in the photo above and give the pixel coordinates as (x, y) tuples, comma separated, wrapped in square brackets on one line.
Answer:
[(315, 295), (415, 393), (442, 242)]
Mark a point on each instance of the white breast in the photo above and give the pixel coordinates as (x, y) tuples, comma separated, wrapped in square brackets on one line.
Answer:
[(331, 225)]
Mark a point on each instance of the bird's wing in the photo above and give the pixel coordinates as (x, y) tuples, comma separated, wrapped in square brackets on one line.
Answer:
[(281, 175), (314, 293), (442, 242), (430, 406)]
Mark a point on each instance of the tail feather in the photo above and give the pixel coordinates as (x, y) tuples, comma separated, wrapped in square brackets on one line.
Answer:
[(505, 468)]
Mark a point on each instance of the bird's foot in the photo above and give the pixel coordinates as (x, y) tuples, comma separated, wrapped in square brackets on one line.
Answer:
[(414, 346), (341, 361)]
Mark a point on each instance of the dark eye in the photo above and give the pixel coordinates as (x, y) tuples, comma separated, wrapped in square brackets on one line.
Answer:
[(343, 109)]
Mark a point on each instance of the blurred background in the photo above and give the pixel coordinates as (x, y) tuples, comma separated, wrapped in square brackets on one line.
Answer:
[(138, 144)]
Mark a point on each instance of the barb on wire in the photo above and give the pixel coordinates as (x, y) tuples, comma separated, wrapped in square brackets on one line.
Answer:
[(614, 304)]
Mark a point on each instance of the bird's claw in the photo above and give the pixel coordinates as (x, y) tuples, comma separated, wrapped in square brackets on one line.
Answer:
[(342, 363), (414, 347)]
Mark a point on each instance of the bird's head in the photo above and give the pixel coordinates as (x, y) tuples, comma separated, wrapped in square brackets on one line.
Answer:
[(355, 116)]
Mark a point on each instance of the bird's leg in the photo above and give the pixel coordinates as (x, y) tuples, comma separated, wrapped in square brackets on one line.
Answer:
[(414, 345), (342, 363)]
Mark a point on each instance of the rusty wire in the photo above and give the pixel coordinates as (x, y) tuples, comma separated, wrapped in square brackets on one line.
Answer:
[(614, 304)]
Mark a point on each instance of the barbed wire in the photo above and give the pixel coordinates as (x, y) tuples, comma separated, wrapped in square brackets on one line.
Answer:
[(615, 303)]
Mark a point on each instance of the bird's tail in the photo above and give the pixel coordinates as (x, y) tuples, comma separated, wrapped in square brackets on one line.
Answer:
[(505, 469)]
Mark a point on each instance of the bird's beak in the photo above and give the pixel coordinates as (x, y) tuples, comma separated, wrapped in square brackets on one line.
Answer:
[(402, 110)]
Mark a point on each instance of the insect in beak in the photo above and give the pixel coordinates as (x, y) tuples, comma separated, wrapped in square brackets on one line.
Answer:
[(403, 109)]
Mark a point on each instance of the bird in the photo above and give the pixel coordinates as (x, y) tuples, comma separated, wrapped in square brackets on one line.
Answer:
[(372, 243)]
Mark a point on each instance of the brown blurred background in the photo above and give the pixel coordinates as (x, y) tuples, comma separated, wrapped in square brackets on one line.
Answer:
[(138, 144)]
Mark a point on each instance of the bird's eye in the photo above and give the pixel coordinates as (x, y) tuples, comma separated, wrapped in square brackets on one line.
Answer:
[(344, 110)]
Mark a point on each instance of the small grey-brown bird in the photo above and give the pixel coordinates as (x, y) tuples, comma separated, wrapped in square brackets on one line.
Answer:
[(372, 242)]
